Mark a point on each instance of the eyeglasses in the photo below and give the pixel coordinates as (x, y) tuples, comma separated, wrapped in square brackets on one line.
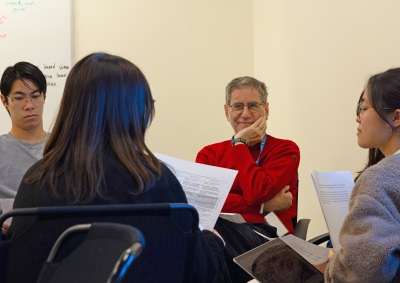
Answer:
[(37, 99), (362, 108), (238, 107)]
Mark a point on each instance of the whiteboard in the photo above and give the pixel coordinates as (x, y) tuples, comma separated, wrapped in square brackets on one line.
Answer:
[(39, 32)]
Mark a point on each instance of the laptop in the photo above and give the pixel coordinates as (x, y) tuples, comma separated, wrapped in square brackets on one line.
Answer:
[(276, 262)]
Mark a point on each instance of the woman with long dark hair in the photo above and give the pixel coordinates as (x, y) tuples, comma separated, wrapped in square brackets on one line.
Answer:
[(370, 235), (96, 152)]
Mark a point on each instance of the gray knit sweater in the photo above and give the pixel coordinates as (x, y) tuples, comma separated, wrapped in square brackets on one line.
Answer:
[(370, 235)]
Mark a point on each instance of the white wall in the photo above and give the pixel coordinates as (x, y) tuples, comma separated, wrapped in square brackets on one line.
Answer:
[(188, 50), (316, 56)]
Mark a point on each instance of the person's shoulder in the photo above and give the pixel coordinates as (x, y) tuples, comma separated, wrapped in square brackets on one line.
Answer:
[(3, 141), (389, 165), (165, 168), (384, 174), (281, 143), (167, 174), (168, 183), (5, 138), (9, 144), (218, 145), (210, 154)]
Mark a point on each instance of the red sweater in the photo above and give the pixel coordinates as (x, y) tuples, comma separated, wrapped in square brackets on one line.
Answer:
[(256, 184)]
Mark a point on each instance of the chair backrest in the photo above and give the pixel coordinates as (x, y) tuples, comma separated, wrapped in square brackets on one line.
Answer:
[(301, 225), (170, 230), (105, 254), (294, 219)]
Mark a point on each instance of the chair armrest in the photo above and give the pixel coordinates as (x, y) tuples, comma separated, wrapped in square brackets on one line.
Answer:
[(320, 239), (301, 228)]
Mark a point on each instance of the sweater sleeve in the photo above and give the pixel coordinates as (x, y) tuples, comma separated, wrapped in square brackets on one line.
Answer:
[(209, 262), (262, 183), (370, 235)]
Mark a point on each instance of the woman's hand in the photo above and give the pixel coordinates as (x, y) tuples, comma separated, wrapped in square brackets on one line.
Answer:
[(331, 254), (321, 267)]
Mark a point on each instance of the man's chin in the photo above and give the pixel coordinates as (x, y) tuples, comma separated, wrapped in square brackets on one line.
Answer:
[(31, 125)]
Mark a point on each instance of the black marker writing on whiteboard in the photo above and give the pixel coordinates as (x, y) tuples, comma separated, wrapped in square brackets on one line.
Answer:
[(64, 67), (50, 66)]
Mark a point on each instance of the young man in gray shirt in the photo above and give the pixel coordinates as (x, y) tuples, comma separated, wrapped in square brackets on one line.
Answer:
[(23, 93)]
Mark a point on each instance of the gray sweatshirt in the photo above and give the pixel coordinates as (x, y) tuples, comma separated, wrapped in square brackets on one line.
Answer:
[(370, 235), (16, 157)]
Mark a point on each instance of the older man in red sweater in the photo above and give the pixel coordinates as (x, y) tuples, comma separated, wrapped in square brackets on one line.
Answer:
[(267, 178)]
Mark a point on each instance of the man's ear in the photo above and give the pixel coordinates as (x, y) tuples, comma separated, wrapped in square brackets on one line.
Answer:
[(266, 107), (3, 100), (226, 108), (5, 103)]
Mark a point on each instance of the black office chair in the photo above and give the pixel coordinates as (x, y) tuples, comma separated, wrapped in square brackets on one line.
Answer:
[(171, 233), (301, 227), (320, 239), (103, 257)]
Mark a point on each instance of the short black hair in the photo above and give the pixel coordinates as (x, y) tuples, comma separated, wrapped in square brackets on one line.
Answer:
[(21, 71)]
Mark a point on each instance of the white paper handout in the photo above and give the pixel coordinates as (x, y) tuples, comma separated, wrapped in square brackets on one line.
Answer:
[(312, 253), (206, 187), (333, 190), (232, 217), (273, 220)]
